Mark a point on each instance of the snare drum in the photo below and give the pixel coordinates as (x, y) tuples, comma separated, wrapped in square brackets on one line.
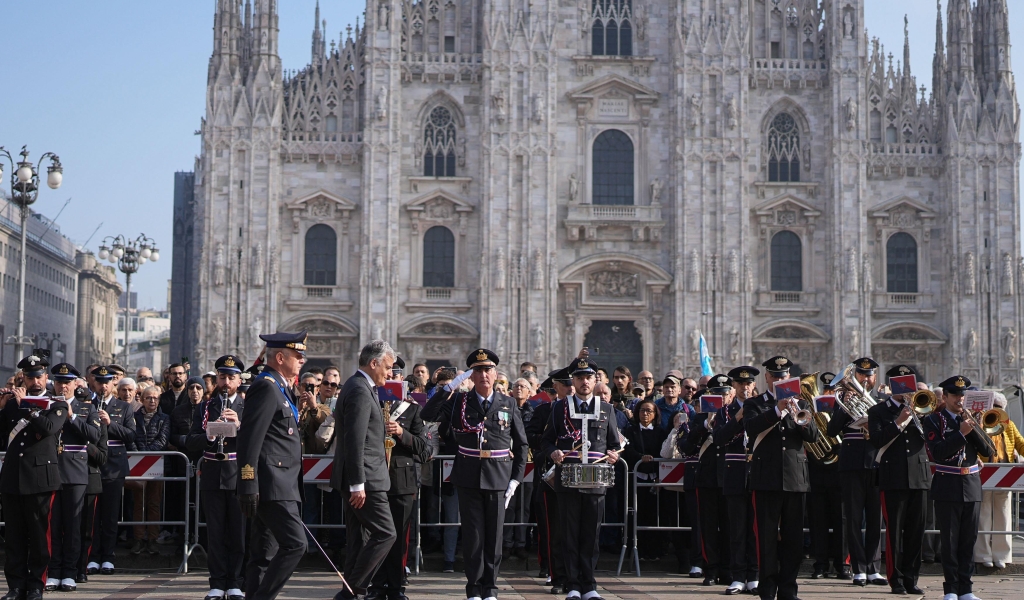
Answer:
[(588, 476)]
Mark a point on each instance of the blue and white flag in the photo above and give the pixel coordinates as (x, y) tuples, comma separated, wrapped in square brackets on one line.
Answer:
[(705, 358)]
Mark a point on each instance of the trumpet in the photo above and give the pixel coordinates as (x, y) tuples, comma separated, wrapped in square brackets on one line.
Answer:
[(992, 421)]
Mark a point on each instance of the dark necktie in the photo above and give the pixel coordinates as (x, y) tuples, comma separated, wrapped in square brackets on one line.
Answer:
[(584, 407), (486, 404)]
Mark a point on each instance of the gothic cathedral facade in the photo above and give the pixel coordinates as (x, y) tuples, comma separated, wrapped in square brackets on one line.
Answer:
[(533, 176)]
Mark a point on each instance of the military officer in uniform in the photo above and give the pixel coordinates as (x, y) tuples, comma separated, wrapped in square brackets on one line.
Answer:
[(581, 511), (903, 478), (97, 454), (825, 508), (729, 435), (955, 443), (270, 476), (778, 480), (859, 485), (410, 451), (120, 421), (29, 477), (81, 429), (488, 429), (218, 480), (714, 522)]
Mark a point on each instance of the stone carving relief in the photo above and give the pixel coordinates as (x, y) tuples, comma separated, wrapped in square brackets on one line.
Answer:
[(1010, 346), (255, 328), (656, 187), (869, 284), (378, 268), (585, 18), (436, 348), (640, 22), (851, 276), (968, 274), (732, 272), (854, 344), (574, 188), (438, 329), (695, 111), (748, 275), (219, 265), (711, 273), (730, 112), (499, 269), (383, 16), (258, 269), (376, 330), (537, 338), (851, 113), (1007, 275), (693, 272), (439, 209), (537, 269), (393, 271), (274, 263), (734, 345), (217, 335), (498, 104), (319, 209), (972, 347), (612, 284), (537, 102), (500, 339), (785, 217), (695, 344), (903, 218), (380, 103)]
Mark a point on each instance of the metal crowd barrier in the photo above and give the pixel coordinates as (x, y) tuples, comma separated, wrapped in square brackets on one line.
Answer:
[(670, 474)]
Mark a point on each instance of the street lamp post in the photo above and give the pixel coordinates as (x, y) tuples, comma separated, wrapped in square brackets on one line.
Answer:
[(128, 255), (24, 191)]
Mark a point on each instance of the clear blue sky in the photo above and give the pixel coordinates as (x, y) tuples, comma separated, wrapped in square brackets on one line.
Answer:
[(116, 88)]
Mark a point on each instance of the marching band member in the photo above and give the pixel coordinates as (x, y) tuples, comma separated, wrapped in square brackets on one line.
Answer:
[(81, 428), (778, 482), (903, 478), (581, 510), (729, 435), (955, 443), (29, 478), (488, 469), (859, 482), (218, 480)]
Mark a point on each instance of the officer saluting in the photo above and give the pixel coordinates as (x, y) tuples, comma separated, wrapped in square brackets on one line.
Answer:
[(29, 477), (489, 432), (270, 476), (955, 444), (778, 481), (903, 478), (218, 479), (81, 429), (581, 510)]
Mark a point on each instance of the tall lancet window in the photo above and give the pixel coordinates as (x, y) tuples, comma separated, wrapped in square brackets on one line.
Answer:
[(612, 28), (439, 144), (783, 149)]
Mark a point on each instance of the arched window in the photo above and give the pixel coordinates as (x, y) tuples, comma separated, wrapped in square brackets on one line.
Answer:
[(787, 262), (783, 149), (439, 144), (321, 256), (439, 257), (613, 168), (901, 264), (612, 28)]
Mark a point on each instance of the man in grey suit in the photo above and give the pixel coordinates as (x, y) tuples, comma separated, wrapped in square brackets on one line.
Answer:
[(360, 469)]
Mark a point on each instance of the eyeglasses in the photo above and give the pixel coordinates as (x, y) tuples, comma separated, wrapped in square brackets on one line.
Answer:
[(330, 384), (177, 373), (646, 410)]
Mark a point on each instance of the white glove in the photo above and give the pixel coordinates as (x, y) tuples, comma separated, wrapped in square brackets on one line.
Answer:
[(455, 383), (512, 485)]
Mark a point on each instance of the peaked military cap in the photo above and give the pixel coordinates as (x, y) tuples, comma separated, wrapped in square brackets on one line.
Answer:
[(229, 364), (102, 374), (745, 374), (561, 376), (900, 370), (399, 365), (956, 385), (825, 379), (116, 369), (34, 365), (481, 357), (64, 372), (777, 366), (583, 366), (283, 339), (720, 382), (865, 365)]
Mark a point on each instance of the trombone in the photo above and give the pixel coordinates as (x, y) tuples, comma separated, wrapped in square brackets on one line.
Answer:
[(992, 421), (922, 403)]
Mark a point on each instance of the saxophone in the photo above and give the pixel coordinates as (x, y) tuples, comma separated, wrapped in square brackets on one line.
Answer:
[(389, 442)]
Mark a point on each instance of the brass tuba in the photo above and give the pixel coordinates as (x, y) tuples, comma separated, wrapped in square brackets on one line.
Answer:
[(992, 420), (826, 449), (855, 399)]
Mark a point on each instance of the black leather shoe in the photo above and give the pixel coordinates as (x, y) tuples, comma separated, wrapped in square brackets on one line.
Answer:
[(878, 581), (234, 597), (845, 574), (92, 570), (398, 597), (375, 595), (752, 591), (64, 587), (819, 573), (82, 578), (708, 581), (899, 590), (912, 588), (14, 594), (860, 582), (51, 587), (106, 571), (34, 595)]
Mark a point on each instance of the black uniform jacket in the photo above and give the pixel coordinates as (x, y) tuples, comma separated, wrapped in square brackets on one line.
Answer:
[(856, 452), (120, 437), (410, 451), (182, 418), (503, 430), (359, 427), (732, 462), (539, 421), (76, 435), (97, 458), (603, 434), (30, 466), (269, 447), (778, 462), (949, 448), (215, 474), (706, 475), (904, 464)]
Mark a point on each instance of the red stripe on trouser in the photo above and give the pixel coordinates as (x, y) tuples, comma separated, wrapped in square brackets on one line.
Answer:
[(888, 538), (703, 554), (757, 538), (405, 556), (49, 541)]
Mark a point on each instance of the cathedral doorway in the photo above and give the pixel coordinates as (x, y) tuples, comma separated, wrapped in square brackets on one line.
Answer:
[(614, 343)]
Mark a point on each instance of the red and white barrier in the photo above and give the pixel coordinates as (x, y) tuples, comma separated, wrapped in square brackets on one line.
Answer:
[(1002, 476), (528, 477), (145, 466), (671, 471), (317, 470)]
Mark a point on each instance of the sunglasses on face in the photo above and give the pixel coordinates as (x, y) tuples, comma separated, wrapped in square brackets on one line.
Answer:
[(690, 387), (330, 384)]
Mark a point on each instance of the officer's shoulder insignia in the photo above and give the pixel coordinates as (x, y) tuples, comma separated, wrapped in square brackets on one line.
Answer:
[(248, 473), (60, 413)]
